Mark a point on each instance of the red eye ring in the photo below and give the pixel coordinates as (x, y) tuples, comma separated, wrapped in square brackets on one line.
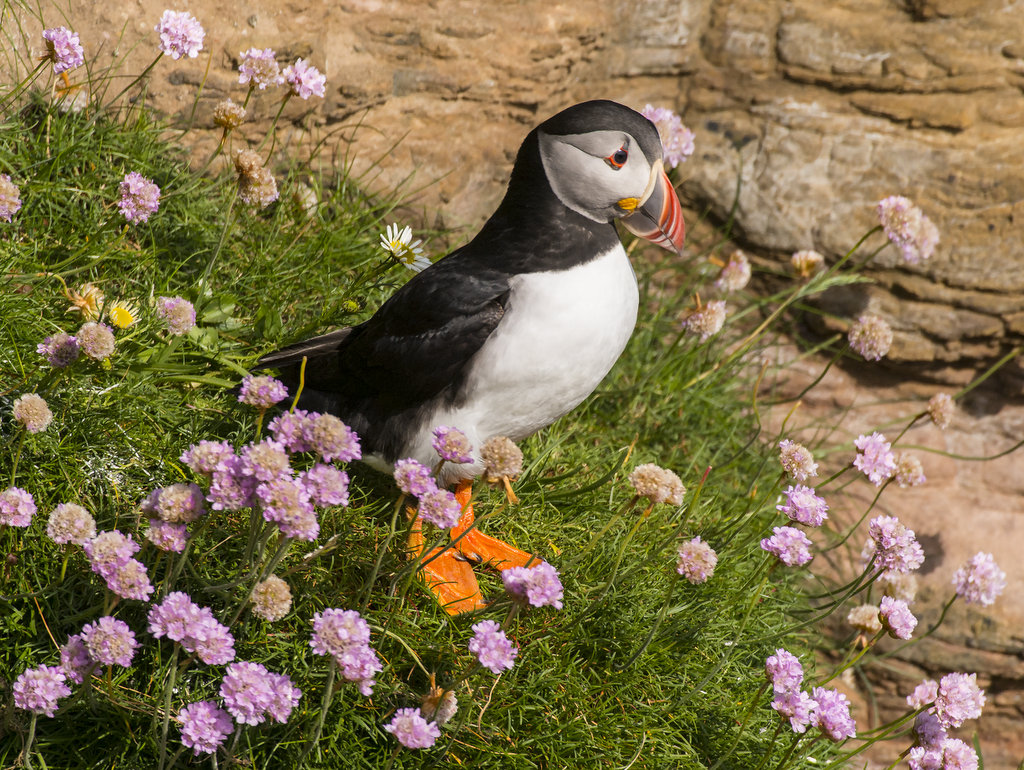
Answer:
[(618, 158)]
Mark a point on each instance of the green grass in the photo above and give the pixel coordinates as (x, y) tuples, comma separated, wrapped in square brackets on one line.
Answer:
[(640, 669)]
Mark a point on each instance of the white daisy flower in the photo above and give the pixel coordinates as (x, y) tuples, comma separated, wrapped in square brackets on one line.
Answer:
[(399, 244)]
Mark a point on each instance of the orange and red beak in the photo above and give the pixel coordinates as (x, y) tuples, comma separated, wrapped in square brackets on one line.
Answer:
[(659, 217)]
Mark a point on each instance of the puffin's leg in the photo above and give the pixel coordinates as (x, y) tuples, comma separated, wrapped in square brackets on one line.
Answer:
[(481, 548), (448, 577)]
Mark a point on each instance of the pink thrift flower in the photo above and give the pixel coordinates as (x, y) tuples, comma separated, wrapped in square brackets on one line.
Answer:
[(181, 34), (790, 545), (796, 706), (412, 730), (110, 641), (893, 546), (63, 49), (16, 507), (958, 699), (784, 671), (896, 617), (538, 585), (908, 228), (797, 460), (261, 391), (804, 506), (451, 444), (38, 690), (259, 68), (697, 560), (491, 647), (979, 581), (179, 314), (139, 198), (676, 139), (204, 726), (875, 458), (414, 478), (305, 80), (10, 198), (832, 714), (440, 508)]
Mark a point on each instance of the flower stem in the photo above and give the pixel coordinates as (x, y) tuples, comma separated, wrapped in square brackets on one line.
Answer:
[(272, 133), (324, 706), (860, 521), (785, 757), (743, 725), (125, 90), (168, 690), (28, 741), (267, 569), (385, 548), (768, 751), (229, 220), (625, 508), (654, 626), (17, 455), (852, 661)]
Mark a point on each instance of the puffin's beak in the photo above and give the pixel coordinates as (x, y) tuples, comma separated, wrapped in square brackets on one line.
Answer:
[(659, 217)]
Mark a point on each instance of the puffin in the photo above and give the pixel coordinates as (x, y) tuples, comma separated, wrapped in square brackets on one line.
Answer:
[(507, 333)]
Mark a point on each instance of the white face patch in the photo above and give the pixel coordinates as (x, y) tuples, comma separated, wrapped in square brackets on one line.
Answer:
[(579, 172)]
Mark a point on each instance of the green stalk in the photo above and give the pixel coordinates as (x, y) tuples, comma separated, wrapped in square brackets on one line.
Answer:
[(743, 725), (168, 690), (385, 548), (103, 110), (229, 220), (852, 661), (324, 706), (271, 132), (771, 744), (623, 509), (17, 455), (28, 741), (23, 84), (654, 626)]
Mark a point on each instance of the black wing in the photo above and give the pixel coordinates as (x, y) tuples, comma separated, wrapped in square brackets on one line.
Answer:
[(415, 346)]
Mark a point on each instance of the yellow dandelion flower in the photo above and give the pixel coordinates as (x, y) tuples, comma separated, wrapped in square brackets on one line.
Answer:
[(123, 314), (87, 300)]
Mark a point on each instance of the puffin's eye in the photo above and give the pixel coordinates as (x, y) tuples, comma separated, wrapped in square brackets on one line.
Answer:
[(618, 158)]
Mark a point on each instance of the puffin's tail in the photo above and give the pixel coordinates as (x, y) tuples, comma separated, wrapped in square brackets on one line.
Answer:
[(311, 349), (319, 393)]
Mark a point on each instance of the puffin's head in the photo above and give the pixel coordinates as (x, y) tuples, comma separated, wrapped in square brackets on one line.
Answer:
[(604, 161)]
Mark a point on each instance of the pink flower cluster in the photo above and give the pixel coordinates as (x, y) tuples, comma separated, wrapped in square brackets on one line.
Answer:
[(260, 474), (110, 556), (538, 585), (251, 694), (875, 458), (676, 139), (436, 506), (908, 228), (826, 709), (696, 560), (955, 698), (181, 620), (491, 647), (344, 635)]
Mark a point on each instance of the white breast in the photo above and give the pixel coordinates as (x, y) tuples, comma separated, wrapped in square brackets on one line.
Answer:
[(561, 333)]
